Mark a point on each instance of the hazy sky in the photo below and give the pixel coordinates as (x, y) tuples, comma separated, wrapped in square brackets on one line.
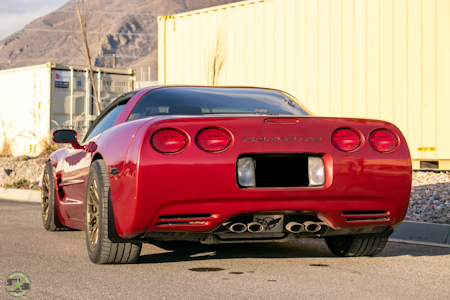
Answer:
[(15, 14)]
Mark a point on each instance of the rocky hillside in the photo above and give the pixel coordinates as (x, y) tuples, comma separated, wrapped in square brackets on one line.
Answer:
[(126, 28)]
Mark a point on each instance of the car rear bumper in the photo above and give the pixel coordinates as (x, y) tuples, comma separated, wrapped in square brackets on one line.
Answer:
[(154, 185), (335, 213), (370, 201)]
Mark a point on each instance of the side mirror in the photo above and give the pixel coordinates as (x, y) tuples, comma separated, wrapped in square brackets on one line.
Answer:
[(65, 136)]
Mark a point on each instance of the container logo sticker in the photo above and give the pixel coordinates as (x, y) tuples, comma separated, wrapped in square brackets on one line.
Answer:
[(62, 79), (17, 284)]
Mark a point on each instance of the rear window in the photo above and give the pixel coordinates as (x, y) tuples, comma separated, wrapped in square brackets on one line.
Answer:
[(212, 101)]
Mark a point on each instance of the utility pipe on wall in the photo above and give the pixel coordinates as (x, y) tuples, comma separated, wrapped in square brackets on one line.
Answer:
[(71, 98), (88, 98), (98, 90)]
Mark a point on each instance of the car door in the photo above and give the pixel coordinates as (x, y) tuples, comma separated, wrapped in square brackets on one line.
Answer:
[(77, 162)]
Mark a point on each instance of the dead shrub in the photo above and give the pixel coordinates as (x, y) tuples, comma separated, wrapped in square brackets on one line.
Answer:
[(45, 142), (8, 139)]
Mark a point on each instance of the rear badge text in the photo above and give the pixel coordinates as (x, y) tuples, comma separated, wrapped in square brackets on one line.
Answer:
[(282, 139)]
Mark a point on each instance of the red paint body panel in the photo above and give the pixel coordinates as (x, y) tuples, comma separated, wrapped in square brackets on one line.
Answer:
[(151, 184), (196, 182)]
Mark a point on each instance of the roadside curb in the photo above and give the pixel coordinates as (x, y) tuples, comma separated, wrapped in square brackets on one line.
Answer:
[(20, 195), (422, 232)]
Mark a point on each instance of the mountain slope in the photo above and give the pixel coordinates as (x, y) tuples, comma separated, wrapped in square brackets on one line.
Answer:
[(126, 28)]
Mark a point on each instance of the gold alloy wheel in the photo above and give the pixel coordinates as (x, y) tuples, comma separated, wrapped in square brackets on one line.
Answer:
[(92, 213), (45, 194)]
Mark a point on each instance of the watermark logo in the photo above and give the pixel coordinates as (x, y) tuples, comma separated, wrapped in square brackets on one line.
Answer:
[(17, 284)]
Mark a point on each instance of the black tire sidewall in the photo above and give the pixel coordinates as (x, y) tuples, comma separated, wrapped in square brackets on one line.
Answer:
[(52, 213), (354, 246), (340, 249)]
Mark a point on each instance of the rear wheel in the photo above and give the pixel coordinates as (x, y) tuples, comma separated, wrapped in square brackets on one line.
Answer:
[(49, 213), (100, 248), (352, 246)]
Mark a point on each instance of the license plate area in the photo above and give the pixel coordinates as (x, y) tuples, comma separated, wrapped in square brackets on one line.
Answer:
[(271, 223), (281, 171)]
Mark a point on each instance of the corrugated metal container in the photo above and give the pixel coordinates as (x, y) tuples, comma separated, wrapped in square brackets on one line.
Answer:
[(380, 59), (35, 100)]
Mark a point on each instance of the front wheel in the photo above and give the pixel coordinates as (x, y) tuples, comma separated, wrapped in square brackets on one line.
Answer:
[(353, 246), (100, 248)]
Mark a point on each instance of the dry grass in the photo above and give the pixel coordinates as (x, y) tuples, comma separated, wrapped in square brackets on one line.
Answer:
[(45, 142), (8, 139), (46, 145), (81, 130)]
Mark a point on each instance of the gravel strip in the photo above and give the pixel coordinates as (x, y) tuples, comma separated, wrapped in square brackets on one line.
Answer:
[(19, 168), (430, 198)]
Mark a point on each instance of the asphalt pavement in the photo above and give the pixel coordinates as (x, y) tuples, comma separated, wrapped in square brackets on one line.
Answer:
[(58, 267)]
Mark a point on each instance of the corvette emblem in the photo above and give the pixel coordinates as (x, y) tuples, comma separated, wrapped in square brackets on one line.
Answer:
[(268, 223)]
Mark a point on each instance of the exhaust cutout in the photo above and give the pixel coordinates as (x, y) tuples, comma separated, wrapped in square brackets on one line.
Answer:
[(312, 226), (238, 227), (295, 227), (255, 227)]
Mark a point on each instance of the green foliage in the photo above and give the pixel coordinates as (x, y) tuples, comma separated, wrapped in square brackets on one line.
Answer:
[(19, 184)]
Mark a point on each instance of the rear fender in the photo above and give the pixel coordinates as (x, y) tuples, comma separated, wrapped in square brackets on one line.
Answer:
[(119, 148)]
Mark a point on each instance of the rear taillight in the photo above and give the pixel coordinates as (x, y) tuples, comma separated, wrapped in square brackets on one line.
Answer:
[(346, 139), (169, 141), (213, 139), (383, 140)]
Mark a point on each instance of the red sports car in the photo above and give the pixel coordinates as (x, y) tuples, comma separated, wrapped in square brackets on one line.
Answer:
[(225, 165)]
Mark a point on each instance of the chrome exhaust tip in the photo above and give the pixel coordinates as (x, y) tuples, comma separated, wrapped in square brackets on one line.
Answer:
[(255, 227), (238, 227), (294, 227), (312, 226)]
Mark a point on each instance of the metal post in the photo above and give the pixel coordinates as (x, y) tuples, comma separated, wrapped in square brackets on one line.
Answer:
[(88, 98), (98, 90), (71, 98), (114, 61)]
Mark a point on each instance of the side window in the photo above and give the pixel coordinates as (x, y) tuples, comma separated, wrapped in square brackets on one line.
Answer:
[(106, 123)]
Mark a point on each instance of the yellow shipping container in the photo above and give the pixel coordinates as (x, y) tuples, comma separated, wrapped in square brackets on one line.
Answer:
[(380, 59)]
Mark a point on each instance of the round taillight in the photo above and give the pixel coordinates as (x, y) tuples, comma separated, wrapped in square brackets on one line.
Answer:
[(346, 139), (383, 140), (213, 139), (169, 141)]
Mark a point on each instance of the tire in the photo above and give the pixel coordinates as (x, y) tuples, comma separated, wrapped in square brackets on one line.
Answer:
[(352, 246), (50, 218), (100, 248)]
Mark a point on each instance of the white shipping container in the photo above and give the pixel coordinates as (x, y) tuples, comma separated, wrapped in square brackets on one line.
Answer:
[(38, 99), (378, 59)]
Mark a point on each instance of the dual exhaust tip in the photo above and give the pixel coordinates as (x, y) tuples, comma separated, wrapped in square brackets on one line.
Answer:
[(241, 227), (293, 227), (308, 226)]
